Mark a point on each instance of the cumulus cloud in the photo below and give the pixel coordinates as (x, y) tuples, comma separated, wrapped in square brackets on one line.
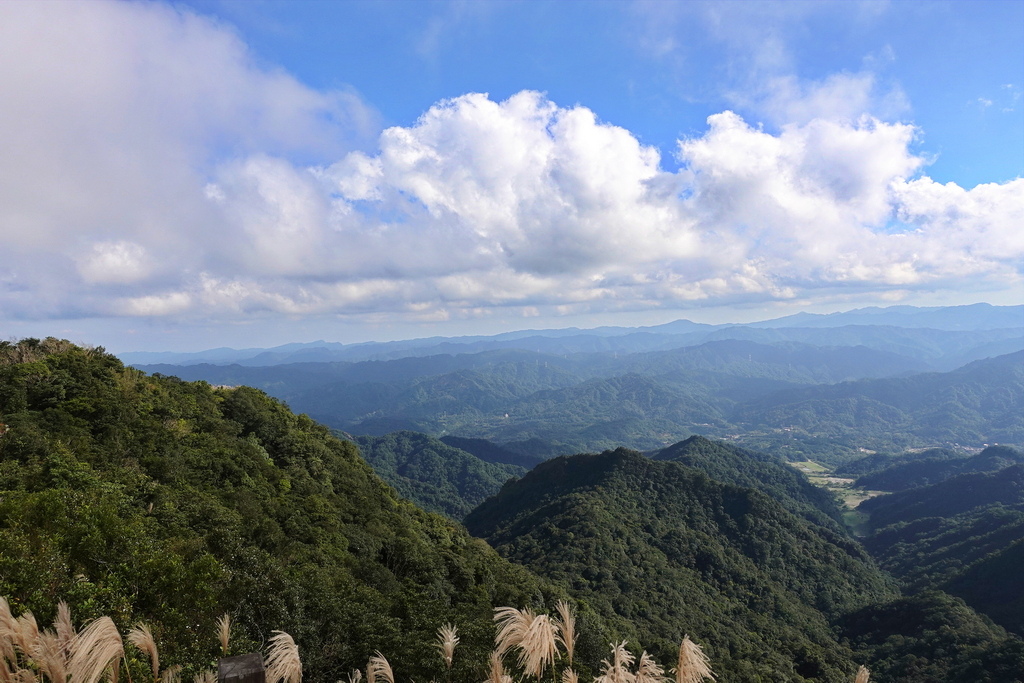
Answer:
[(163, 174), (114, 115)]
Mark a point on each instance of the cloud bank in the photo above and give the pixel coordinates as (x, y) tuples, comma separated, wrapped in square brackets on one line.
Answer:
[(150, 167)]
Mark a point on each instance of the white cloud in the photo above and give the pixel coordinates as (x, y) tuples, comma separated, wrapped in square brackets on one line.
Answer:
[(115, 262), (162, 174), (113, 115)]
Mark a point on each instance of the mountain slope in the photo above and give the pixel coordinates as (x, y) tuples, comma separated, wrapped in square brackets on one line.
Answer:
[(964, 535), (926, 471), (432, 474), (948, 498), (148, 498), (980, 402), (675, 552), (727, 463)]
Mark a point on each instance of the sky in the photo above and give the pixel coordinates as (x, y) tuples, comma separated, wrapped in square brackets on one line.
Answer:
[(182, 176)]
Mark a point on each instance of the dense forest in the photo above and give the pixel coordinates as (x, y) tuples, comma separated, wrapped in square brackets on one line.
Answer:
[(149, 498), (118, 489)]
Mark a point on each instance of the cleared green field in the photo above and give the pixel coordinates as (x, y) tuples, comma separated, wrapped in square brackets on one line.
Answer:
[(848, 495)]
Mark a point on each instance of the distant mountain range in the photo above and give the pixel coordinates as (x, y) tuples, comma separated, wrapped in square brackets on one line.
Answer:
[(944, 337)]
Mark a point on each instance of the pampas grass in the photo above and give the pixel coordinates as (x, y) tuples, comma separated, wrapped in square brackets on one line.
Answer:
[(60, 655), (693, 665), (142, 638), (224, 633), (50, 657), (171, 674), (282, 662), (447, 639), (566, 628), (648, 670), (863, 675), (64, 627), (617, 669), (378, 666), (497, 670), (535, 635), (96, 649)]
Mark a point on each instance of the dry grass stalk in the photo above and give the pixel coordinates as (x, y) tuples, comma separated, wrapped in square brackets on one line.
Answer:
[(694, 666), (649, 671), (142, 637), (447, 639), (50, 657), (617, 670), (863, 675), (224, 633), (512, 624), (64, 627), (26, 676), (96, 649), (283, 662), (208, 676), (379, 667), (534, 634), (27, 633), (171, 674), (496, 673), (566, 628), (8, 636)]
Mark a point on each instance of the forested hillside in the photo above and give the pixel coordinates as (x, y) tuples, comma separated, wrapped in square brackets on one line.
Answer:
[(148, 498), (432, 474), (923, 471), (682, 553), (963, 535)]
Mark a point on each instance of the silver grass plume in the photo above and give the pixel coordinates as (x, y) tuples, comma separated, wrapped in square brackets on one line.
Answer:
[(10, 636), (97, 648), (863, 675), (570, 676), (534, 634), (511, 624), (566, 628), (447, 639), (171, 674), (378, 666), (142, 637), (648, 670), (208, 676), (50, 657), (617, 670), (224, 633), (28, 633), (64, 627), (496, 673), (694, 666), (355, 676), (283, 662)]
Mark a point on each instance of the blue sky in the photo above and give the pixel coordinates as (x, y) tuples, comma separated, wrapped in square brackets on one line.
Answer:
[(181, 176)]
